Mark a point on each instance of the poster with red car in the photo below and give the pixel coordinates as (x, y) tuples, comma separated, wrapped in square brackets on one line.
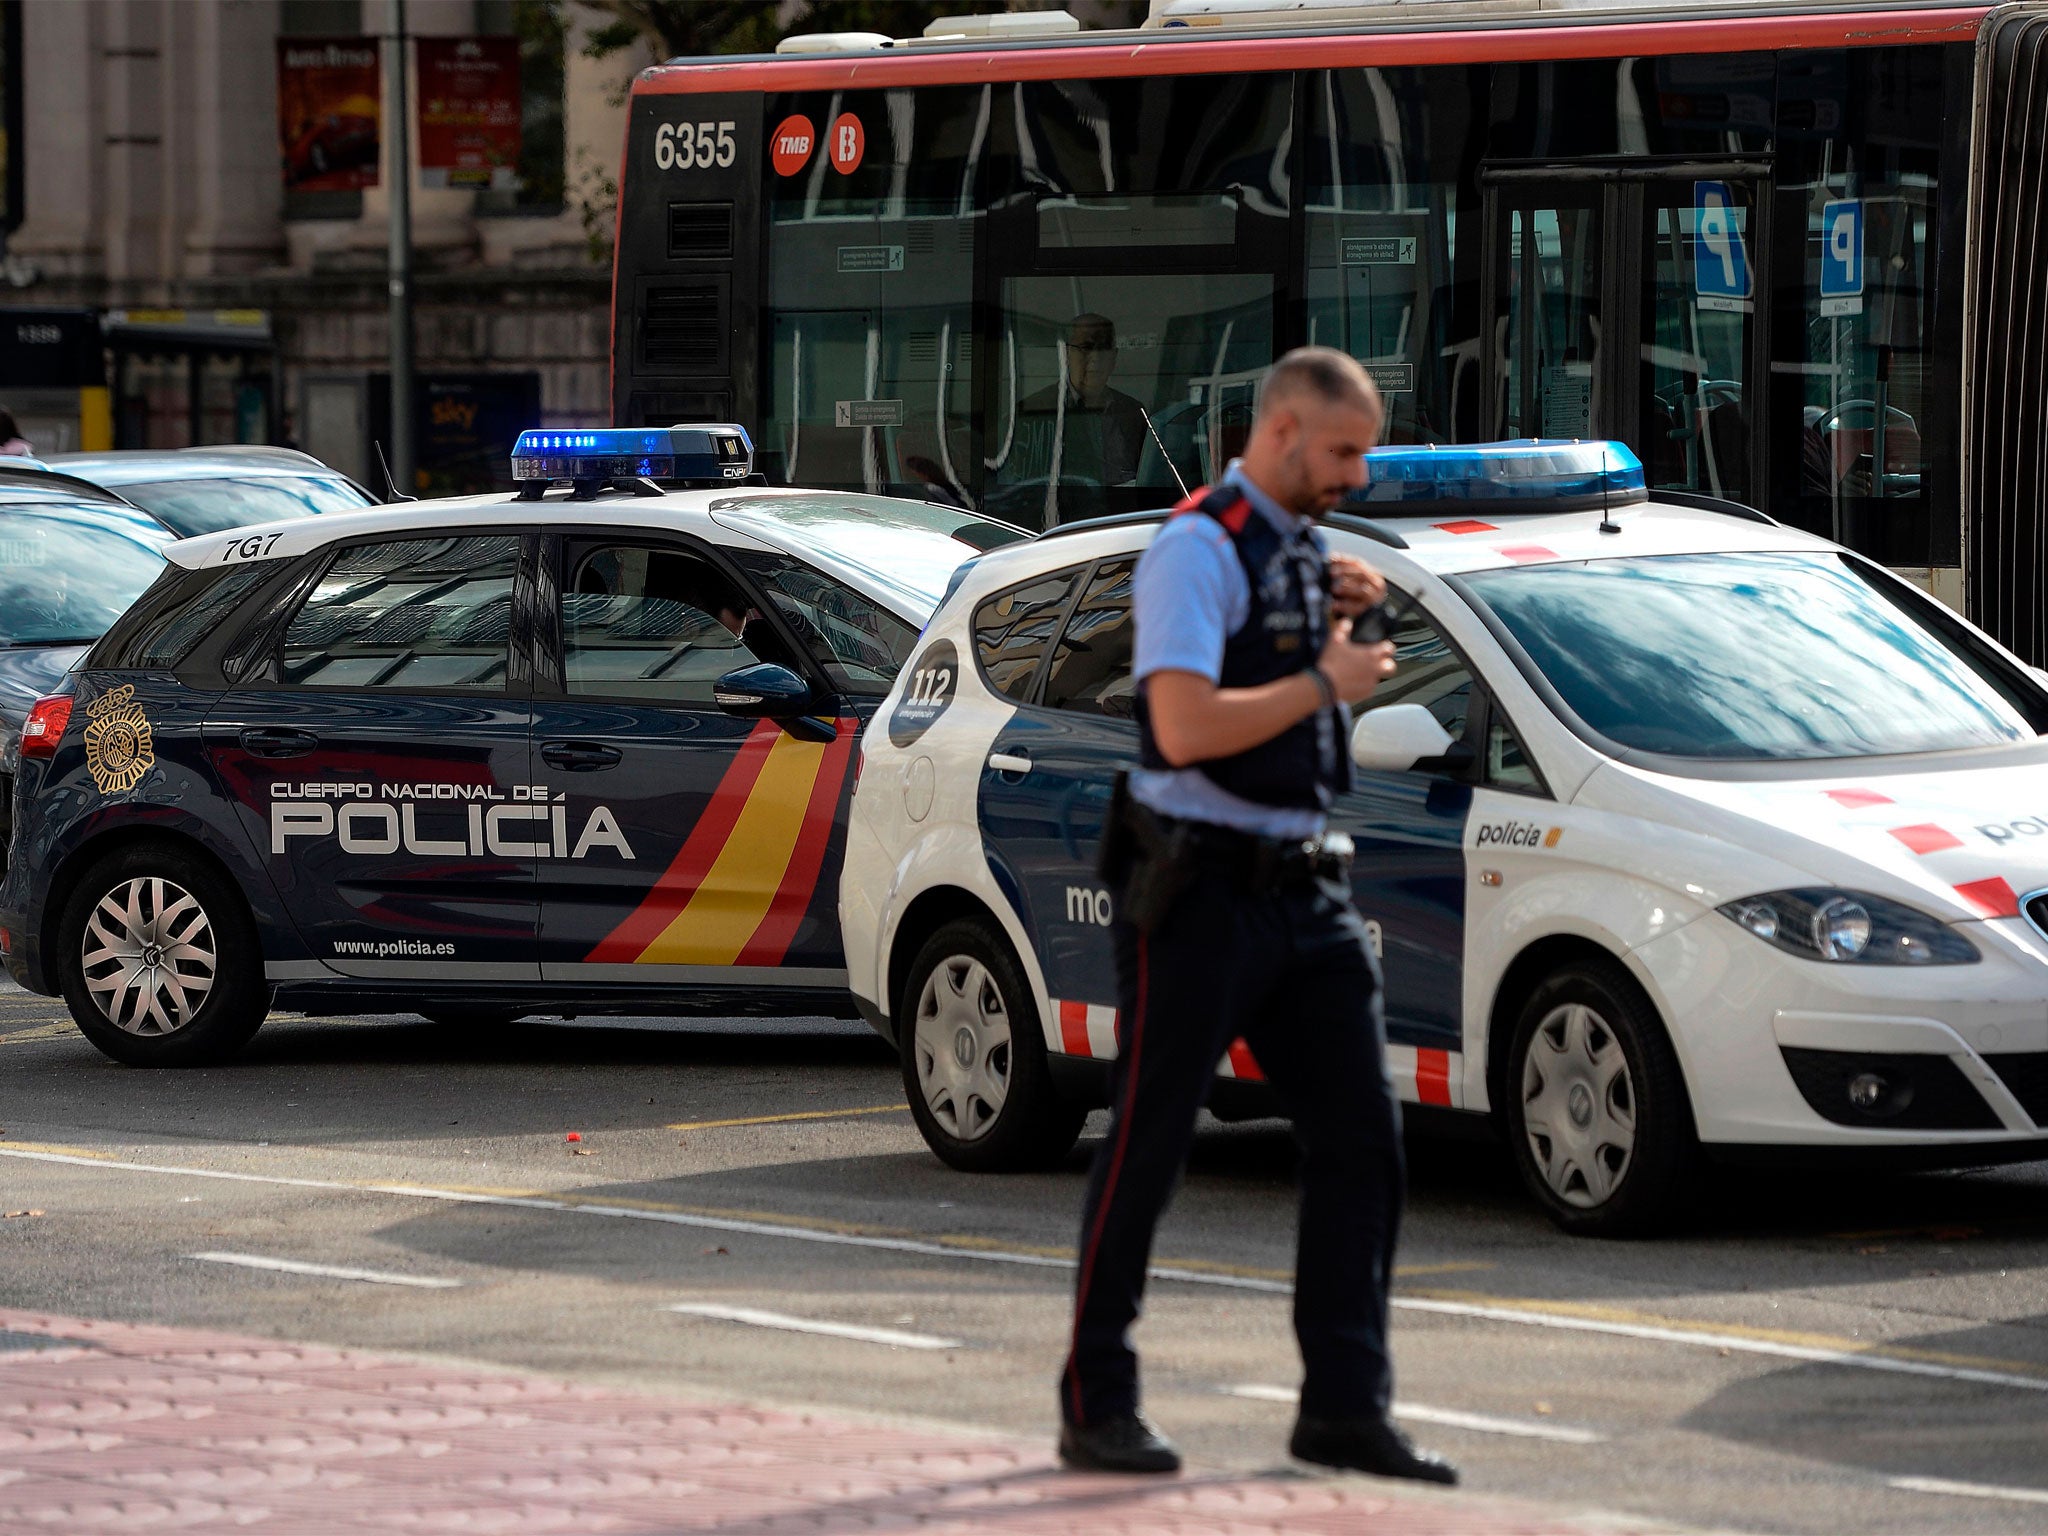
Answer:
[(330, 95), (469, 112)]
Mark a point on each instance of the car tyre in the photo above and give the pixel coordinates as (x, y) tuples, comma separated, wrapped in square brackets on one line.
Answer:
[(1599, 1122), (974, 1059), (159, 960)]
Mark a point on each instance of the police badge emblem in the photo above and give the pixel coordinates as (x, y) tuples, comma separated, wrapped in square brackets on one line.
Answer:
[(118, 745)]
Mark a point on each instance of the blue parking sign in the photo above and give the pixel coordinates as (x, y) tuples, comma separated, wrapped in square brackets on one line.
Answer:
[(1841, 249), (1720, 265)]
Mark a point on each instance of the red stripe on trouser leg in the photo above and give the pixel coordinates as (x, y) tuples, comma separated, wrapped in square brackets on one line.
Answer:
[(1074, 1029), (1433, 1077), (1243, 1064), (1116, 1163)]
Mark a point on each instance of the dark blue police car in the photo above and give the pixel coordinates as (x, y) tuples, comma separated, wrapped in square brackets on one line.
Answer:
[(582, 749)]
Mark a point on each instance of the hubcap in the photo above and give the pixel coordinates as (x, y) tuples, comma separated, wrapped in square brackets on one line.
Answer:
[(148, 956), (1578, 1106), (961, 1047)]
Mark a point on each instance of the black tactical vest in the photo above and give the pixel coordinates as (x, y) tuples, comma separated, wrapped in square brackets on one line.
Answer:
[(1283, 633)]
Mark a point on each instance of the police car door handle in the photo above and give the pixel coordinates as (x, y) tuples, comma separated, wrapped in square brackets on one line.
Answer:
[(580, 756), (1009, 762), (278, 742)]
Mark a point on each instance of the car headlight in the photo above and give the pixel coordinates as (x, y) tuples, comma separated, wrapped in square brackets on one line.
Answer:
[(1821, 924)]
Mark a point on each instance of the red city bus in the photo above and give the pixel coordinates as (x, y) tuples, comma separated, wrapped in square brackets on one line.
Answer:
[(1794, 255)]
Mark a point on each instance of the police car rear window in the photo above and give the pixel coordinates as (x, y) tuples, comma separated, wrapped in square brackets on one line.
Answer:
[(173, 616), (1013, 628)]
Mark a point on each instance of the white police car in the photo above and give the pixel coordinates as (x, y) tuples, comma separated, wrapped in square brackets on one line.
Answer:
[(584, 749), (1678, 829)]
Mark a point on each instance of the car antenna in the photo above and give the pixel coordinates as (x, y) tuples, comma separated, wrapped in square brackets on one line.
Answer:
[(1162, 451), (1607, 524), (389, 483)]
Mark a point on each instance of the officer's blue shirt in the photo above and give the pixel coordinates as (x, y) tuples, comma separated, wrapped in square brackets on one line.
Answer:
[(1190, 595)]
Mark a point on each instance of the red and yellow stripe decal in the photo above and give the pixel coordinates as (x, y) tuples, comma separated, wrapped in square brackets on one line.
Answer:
[(740, 884)]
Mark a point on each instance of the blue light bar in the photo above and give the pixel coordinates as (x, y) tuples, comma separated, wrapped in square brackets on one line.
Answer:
[(717, 453), (1537, 472)]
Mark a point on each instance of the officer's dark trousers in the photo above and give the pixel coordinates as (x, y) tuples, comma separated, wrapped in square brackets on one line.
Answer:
[(1289, 970)]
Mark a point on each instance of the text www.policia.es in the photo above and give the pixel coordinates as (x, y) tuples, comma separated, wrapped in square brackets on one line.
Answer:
[(384, 949)]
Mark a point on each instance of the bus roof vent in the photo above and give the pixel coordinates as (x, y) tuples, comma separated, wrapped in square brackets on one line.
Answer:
[(1006, 25), (833, 42)]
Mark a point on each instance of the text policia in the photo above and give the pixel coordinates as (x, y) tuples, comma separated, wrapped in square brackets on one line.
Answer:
[(441, 821)]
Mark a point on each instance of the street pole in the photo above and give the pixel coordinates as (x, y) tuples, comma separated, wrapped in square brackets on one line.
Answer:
[(400, 132)]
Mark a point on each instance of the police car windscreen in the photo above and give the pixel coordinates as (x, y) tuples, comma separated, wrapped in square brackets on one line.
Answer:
[(1756, 656), (193, 507), (64, 581)]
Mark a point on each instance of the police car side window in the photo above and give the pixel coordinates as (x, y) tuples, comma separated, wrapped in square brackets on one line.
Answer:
[(1091, 668), (1013, 629), (430, 612), (861, 645), (651, 622), (1429, 673), (1433, 675)]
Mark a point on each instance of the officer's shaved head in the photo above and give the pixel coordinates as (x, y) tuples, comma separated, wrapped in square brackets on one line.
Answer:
[(1321, 374), (1319, 412)]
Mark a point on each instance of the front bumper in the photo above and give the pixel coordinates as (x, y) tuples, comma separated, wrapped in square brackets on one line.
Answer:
[(1781, 1051)]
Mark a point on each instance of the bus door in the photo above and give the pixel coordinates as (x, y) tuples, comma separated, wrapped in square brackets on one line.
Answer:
[(1621, 301), (1125, 336)]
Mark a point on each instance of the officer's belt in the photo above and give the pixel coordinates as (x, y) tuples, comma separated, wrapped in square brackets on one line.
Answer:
[(1263, 863)]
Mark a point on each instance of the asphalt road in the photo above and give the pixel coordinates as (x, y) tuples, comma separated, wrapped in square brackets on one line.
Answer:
[(1818, 1354)]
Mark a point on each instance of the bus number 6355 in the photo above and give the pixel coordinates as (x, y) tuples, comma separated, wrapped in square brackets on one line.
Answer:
[(679, 146)]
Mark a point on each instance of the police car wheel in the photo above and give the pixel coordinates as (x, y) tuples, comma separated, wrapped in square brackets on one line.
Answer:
[(161, 962), (974, 1063), (1598, 1117)]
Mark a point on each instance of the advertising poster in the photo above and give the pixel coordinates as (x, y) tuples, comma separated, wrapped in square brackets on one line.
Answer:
[(329, 103), (469, 112)]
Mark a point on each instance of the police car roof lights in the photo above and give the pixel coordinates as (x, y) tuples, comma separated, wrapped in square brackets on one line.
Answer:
[(1544, 475), (631, 458)]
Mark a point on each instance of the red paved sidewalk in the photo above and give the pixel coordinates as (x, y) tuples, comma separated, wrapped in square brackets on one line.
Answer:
[(127, 1428)]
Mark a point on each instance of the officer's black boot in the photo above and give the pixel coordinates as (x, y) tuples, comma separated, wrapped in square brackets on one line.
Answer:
[(1366, 1445), (1127, 1444)]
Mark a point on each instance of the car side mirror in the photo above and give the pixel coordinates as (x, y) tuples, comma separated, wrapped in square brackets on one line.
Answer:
[(1398, 737), (763, 690)]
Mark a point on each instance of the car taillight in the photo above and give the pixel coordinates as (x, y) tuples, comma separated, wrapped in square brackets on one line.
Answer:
[(45, 726)]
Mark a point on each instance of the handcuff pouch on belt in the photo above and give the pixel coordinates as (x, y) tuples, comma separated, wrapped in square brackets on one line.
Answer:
[(1146, 860)]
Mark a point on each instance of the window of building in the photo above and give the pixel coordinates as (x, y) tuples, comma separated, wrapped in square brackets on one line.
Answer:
[(538, 25), (431, 612), (1013, 629)]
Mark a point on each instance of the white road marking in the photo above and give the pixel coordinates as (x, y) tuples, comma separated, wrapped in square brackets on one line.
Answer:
[(1521, 1316), (1733, 1342), (1449, 1418), (895, 1338), (1971, 1490), (326, 1271)]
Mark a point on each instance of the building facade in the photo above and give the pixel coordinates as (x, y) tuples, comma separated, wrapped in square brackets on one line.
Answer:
[(232, 309)]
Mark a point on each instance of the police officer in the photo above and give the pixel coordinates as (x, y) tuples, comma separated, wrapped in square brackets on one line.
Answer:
[(1234, 918)]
